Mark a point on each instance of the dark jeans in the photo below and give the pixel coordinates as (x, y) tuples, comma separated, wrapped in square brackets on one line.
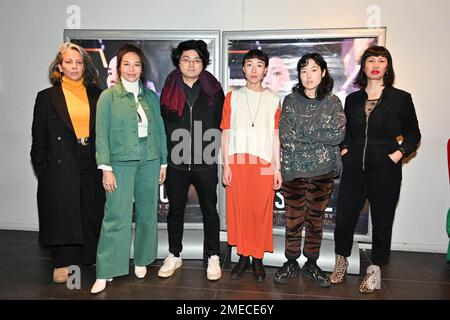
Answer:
[(205, 183), (382, 189)]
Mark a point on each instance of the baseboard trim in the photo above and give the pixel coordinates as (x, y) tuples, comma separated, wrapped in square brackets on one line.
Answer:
[(396, 246), (19, 226), (413, 247)]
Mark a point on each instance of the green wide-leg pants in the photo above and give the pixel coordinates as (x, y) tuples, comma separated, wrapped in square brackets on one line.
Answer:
[(138, 179)]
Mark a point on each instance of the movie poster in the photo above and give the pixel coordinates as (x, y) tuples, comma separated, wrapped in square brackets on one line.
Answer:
[(157, 45), (284, 50)]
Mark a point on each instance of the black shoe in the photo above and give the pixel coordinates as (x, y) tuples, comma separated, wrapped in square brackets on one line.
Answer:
[(258, 270), (290, 269), (240, 267), (313, 272)]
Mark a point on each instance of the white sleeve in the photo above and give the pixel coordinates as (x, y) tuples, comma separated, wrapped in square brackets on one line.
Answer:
[(105, 167)]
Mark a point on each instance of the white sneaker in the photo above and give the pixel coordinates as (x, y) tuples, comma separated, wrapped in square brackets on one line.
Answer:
[(140, 272), (171, 263), (214, 272), (100, 285)]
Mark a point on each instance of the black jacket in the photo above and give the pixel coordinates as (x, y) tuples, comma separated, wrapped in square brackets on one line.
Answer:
[(203, 115), (55, 158), (394, 116)]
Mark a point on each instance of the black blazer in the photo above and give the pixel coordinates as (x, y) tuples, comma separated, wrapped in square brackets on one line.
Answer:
[(55, 158), (393, 116)]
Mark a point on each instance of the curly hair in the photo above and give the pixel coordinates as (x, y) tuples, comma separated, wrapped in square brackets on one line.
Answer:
[(198, 45)]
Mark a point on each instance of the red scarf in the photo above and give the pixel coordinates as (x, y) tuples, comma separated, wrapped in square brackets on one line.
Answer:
[(173, 96)]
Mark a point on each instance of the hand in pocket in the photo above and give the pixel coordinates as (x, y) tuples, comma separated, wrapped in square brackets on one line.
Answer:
[(395, 156)]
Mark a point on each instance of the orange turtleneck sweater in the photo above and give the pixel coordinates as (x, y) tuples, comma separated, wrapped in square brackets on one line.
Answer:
[(77, 104)]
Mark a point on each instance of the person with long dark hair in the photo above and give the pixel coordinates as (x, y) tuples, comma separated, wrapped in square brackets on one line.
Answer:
[(382, 129), (132, 152), (70, 194), (312, 125)]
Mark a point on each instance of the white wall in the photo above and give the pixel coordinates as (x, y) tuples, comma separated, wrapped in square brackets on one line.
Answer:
[(30, 32)]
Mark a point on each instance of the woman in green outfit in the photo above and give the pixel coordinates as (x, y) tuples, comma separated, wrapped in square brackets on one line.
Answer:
[(132, 152)]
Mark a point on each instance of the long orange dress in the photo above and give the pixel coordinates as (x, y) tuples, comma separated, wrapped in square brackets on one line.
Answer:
[(252, 118)]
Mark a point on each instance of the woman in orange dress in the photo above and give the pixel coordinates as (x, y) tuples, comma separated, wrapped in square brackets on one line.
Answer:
[(251, 165)]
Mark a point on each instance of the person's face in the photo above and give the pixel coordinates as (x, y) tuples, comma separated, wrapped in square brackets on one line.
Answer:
[(191, 65), (72, 65), (131, 67), (375, 67), (277, 75), (112, 73), (254, 70), (311, 75)]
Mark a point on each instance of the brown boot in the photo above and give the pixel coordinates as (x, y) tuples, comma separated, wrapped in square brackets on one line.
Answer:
[(340, 269), (60, 275)]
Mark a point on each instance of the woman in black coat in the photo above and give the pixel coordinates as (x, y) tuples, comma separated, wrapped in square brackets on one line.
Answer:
[(379, 117), (70, 194)]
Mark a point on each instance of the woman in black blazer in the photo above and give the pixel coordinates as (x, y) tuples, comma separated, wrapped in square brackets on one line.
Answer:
[(381, 130), (70, 194)]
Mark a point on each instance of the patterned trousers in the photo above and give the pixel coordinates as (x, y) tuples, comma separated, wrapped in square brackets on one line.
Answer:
[(306, 200)]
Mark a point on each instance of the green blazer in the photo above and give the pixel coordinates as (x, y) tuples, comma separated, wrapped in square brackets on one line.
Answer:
[(117, 126)]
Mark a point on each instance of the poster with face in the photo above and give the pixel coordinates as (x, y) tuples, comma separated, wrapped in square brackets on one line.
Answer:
[(341, 49), (103, 45)]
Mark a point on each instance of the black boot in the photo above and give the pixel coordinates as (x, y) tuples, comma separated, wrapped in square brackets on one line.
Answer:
[(290, 269), (240, 267), (312, 271), (258, 270)]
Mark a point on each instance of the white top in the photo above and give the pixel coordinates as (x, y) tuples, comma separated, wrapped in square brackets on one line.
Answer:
[(252, 108), (133, 87)]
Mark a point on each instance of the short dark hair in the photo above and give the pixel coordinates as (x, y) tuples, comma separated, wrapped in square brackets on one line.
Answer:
[(198, 45), (376, 51), (132, 48), (327, 82), (258, 54)]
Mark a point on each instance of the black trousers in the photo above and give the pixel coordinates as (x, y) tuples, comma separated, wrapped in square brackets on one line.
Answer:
[(205, 183), (66, 255), (382, 189)]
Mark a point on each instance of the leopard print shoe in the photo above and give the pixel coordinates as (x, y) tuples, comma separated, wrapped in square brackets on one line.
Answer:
[(340, 269), (372, 280)]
